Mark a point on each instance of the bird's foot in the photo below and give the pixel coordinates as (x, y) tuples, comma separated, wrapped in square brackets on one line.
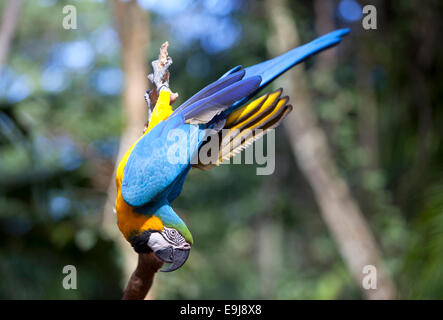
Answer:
[(160, 78)]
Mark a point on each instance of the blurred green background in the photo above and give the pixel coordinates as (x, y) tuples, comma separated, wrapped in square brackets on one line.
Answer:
[(61, 119)]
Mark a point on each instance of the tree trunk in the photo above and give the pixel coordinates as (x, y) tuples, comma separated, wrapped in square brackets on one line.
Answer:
[(339, 210), (367, 104), (9, 22)]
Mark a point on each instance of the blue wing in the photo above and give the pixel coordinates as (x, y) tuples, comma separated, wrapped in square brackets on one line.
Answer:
[(204, 110), (149, 171), (211, 89), (153, 171)]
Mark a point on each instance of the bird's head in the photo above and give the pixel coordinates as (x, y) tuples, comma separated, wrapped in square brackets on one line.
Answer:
[(171, 243), (170, 246)]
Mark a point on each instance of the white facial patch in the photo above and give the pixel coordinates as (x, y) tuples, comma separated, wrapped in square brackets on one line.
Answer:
[(157, 242), (169, 237)]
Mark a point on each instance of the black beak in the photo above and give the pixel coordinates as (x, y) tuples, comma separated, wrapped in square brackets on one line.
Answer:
[(177, 257)]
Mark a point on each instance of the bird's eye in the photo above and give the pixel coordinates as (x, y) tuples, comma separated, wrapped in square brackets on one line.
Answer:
[(173, 236)]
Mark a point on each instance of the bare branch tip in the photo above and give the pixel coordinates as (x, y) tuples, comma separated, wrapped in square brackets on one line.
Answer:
[(163, 56)]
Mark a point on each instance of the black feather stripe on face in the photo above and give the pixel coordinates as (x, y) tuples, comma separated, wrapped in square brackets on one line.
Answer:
[(140, 242)]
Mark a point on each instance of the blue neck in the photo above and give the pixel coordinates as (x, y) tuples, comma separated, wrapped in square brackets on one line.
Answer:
[(171, 220), (167, 215)]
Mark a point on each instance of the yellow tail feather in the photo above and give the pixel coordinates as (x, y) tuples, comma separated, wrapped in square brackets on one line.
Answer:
[(248, 124)]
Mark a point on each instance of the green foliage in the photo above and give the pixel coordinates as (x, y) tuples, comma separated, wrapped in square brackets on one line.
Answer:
[(424, 263)]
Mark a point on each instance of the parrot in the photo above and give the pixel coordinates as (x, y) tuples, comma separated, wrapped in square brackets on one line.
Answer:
[(148, 182)]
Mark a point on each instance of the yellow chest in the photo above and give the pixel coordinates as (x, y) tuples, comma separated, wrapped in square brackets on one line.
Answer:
[(132, 223), (129, 221)]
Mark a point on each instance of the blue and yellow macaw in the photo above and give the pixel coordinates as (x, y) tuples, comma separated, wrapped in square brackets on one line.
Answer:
[(148, 181)]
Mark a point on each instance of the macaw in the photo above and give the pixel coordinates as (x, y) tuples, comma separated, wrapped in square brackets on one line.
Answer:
[(148, 182)]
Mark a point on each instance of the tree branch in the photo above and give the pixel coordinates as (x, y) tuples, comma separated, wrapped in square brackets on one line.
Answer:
[(159, 79), (143, 276), (148, 264), (132, 24)]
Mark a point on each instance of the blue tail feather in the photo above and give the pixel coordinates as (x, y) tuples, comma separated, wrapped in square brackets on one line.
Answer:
[(271, 69), (267, 70)]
